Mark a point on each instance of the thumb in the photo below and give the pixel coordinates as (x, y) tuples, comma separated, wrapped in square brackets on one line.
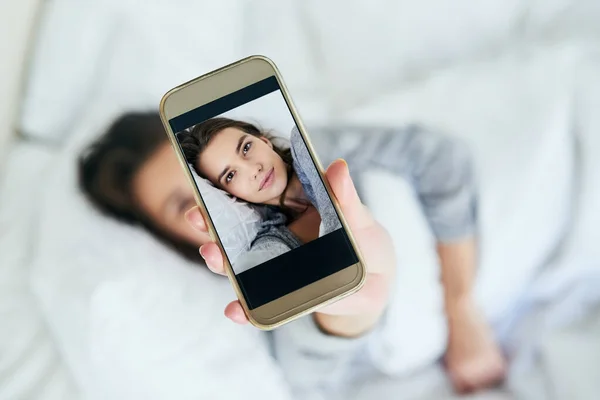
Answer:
[(338, 176)]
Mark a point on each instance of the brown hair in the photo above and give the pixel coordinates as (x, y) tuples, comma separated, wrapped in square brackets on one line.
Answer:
[(194, 141), (109, 165)]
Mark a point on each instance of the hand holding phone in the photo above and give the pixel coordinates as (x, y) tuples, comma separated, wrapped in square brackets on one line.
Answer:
[(354, 314)]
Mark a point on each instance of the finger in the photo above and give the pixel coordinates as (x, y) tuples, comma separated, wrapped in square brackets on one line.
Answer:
[(473, 380), (194, 218), (369, 297), (213, 258), (461, 386), (467, 389), (235, 312), (360, 220), (357, 215)]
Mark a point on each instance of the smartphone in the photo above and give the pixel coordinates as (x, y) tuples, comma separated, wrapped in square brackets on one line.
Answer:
[(237, 129)]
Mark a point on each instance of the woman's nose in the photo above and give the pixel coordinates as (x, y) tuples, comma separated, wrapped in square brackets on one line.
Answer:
[(257, 171)]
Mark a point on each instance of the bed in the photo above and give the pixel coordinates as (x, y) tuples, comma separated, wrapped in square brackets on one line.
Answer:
[(517, 79)]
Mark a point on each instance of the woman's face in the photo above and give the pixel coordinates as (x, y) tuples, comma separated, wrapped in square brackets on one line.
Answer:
[(245, 166), (164, 194)]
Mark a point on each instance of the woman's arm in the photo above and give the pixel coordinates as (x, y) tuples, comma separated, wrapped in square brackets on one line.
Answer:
[(441, 172), (312, 184), (458, 264), (440, 169), (438, 166)]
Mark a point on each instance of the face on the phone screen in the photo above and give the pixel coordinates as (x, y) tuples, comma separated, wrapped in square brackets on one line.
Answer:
[(245, 166)]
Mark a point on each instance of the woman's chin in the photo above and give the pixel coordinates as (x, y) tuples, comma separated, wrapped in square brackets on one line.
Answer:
[(278, 191), (271, 196)]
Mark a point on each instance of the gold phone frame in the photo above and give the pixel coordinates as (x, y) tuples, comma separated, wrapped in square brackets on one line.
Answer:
[(215, 85)]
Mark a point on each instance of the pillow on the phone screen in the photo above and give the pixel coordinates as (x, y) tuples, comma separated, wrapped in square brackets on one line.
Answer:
[(236, 221)]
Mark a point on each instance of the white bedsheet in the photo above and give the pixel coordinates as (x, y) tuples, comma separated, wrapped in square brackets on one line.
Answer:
[(30, 365)]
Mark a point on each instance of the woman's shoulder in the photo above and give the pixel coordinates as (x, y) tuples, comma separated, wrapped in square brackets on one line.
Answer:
[(301, 158), (295, 137), (297, 147), (275, 234)]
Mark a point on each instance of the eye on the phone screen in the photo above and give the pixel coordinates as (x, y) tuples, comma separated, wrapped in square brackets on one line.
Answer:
[(247, 147), (229, 177)]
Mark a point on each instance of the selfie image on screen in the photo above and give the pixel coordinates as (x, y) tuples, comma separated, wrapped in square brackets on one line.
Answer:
[(255, 173)]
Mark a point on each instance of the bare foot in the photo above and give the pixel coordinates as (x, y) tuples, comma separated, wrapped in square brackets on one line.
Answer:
[(473, 359)]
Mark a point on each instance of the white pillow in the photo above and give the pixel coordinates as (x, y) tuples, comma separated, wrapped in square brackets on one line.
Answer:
[(366, 48), (236, 222), (137, 51), (71, 45)]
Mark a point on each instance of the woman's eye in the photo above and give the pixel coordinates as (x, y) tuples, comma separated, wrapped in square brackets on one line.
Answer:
[(229, 177), (247, 147)]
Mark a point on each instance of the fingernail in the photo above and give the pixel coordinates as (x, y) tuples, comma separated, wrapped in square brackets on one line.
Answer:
[(344, 161), (202, 254)]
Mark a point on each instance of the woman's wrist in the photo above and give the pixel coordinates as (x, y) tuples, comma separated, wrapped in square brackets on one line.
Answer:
[(346, 326), (458, 305)]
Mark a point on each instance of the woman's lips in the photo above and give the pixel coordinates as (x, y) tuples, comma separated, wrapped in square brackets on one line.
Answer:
[(267, 180)]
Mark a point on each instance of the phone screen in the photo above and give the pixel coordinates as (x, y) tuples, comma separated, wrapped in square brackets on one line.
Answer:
[(247, 144)]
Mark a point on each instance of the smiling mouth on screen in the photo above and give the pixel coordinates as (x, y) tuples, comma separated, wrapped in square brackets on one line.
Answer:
[(267, 180)]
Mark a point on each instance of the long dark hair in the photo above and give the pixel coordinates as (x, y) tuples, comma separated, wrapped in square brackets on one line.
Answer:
[(109, 165), (194, 141)]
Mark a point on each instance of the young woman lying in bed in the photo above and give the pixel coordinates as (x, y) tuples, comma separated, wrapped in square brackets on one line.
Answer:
[(131, 173)]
